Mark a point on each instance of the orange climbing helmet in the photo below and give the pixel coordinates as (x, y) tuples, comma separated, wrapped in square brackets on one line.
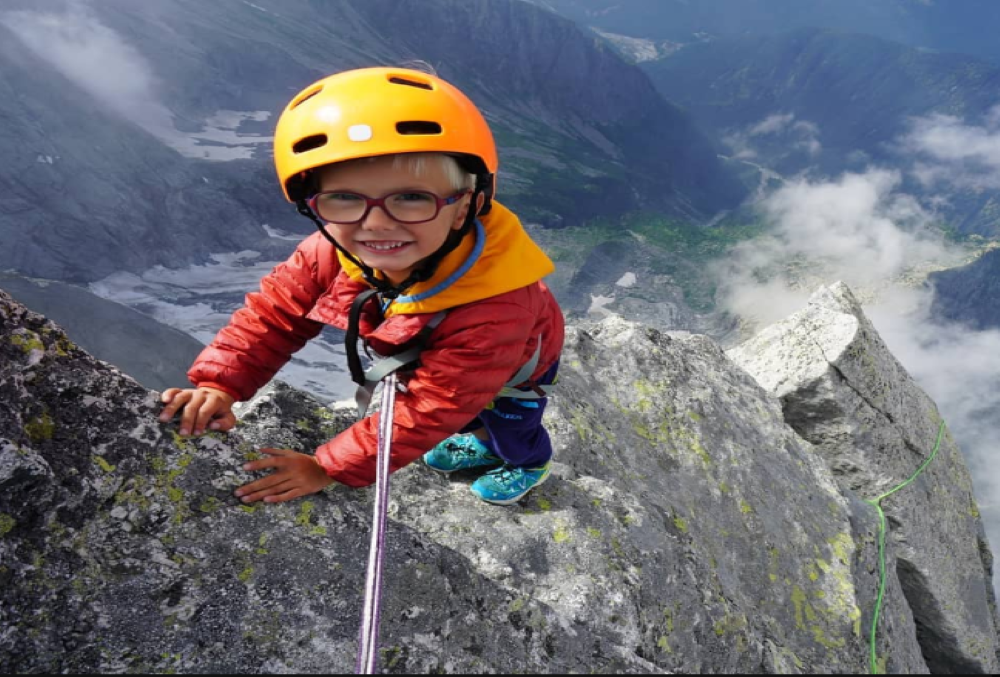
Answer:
[(380, 111)]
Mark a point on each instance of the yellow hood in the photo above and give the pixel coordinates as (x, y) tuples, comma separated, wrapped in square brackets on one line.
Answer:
[(497, 258)]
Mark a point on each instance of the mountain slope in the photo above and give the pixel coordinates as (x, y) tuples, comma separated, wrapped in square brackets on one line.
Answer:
[(554, 90), (112, 112), (969, 294), (857, 97), (966, 26), (84, 193)]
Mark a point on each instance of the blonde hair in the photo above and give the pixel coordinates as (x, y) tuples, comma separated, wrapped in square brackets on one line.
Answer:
[(417, 163)]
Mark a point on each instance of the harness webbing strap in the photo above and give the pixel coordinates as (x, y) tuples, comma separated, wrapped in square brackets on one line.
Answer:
[(378, 371), (537, 391), (389, 365), (354, 333)]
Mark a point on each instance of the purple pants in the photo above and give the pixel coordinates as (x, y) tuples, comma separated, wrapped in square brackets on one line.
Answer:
[(515, 428)]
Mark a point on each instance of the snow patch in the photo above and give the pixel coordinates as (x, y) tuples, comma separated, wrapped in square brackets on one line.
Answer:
[(598, 303), (221, 139), (200, 300), (627, 280), (276, 234)]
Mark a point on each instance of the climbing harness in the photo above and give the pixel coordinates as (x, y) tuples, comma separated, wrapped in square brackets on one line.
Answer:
[(385, 371), (883, 577), (518, 387), (368, 379), (370, 617)]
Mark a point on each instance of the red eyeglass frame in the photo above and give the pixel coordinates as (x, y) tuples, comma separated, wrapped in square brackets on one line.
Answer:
[(372, 202)]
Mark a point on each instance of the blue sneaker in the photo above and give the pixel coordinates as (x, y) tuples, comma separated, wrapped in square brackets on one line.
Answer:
[(508, 484), (460, 452)]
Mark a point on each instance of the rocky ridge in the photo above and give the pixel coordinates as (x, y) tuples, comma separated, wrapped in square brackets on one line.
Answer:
[(694, 523)]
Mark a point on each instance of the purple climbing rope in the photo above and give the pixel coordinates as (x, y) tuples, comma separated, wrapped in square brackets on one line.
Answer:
[(371, 615)]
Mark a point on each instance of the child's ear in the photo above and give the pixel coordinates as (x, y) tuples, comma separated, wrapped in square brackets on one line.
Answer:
[(464, 211)]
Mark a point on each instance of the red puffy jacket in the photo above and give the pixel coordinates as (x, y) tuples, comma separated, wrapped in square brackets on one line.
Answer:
[(498, 310)]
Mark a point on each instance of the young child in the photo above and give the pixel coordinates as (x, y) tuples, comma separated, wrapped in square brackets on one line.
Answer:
[(397, 169)]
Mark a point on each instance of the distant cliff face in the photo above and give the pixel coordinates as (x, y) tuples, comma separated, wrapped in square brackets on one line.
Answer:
[(687, 527), (118, 116), (970, 294)]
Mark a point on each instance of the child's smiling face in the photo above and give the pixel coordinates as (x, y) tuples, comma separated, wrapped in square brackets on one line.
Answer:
[(380, 241)]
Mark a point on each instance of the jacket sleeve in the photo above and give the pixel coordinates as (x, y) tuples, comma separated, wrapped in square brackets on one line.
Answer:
[(469, 359), (263, 335)]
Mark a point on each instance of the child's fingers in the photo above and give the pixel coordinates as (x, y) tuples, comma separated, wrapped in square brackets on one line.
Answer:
[(168, 395), (209, 410), (224, 423), (192, 412), (277, 460), (177, 400), (297, 492), (262, 488)]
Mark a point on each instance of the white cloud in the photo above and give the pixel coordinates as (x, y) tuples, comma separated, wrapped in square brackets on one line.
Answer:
[(94, 58), (808, 137), (772, 124), (100, 62), (740, 145), (858, 229), (799, 134), (949, 150), (960, 369)]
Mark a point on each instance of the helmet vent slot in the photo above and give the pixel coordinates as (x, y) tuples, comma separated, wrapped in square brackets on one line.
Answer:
[(305, 97), (396, 80), (309, 143), (418, 128)]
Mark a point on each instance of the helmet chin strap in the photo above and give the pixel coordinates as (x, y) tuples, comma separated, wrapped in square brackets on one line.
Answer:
[(426, 270)]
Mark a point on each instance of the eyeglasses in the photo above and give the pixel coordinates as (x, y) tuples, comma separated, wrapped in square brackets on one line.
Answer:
[(412, 206)]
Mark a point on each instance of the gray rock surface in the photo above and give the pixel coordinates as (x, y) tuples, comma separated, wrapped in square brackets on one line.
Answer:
[(687, 528), (843, 390)]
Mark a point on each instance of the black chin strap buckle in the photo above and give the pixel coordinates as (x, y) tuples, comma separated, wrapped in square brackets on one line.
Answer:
[(305, 210), (388, 292)]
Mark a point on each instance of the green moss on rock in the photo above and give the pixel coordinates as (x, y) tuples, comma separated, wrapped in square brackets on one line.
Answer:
[(40, 429)]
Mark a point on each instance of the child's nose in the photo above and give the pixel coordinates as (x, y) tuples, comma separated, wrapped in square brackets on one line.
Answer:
[(378, 219)]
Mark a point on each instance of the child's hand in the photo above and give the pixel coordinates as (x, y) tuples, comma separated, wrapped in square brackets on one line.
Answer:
[(294, 475), (200, 405)]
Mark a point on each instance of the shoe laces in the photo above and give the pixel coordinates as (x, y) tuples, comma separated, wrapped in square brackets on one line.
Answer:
[(462, 449), (506, 474)]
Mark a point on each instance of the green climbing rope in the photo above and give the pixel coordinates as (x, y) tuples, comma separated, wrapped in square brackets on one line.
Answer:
[(883, 578)]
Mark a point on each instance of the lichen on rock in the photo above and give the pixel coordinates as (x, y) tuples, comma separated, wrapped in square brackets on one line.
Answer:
[(687, 528)]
